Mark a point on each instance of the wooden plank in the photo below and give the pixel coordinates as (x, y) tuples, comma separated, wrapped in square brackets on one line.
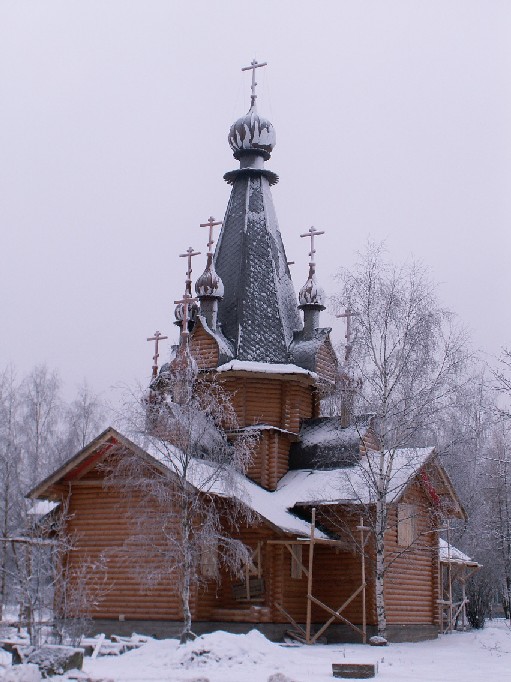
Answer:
[(98, 646), (335, 614), (353, 671), (290, 619), (338, 613)]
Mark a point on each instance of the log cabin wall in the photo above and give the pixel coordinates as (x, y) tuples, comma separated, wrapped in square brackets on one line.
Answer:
[(327, 363), (336, 575), (281, 402), (100, 520), (343, 521), (217, 602), (270, 460), (411, 583), (204, 348)]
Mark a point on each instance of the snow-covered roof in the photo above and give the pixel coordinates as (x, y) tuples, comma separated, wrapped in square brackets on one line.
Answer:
[(204, 476), (453, 555), (300, 487), (42, 507), (351, 484), (265, 367)]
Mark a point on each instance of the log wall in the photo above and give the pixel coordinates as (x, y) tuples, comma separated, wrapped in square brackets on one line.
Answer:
[(99, 520), (411, 582), (270, 460), (204, 348), (326, 363), (280, 402)]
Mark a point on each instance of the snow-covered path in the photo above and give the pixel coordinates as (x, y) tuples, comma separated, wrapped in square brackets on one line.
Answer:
[(220, 657)]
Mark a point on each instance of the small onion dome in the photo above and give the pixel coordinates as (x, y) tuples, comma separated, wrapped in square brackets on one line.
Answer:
[(209, 283), (311, 293), (179, 312), (252, 133)]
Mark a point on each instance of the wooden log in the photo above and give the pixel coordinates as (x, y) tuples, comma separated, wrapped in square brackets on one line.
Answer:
[(356, 671)]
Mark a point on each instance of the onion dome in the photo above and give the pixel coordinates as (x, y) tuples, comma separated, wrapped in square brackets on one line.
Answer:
[(179, 312), (311, 293), (252, 134), (209, 283)]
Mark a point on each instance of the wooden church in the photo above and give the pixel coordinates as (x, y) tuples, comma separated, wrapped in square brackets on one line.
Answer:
[(312, 569)]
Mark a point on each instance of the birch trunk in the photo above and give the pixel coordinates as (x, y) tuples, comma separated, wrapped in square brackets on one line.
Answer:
[(187, 634), (380, 567)]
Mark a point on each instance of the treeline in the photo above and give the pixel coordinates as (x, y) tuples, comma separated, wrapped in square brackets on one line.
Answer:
[(475, 442), (39, 430)]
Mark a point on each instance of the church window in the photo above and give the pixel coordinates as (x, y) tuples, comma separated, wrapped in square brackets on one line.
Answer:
[(406, 530), (296, 561)]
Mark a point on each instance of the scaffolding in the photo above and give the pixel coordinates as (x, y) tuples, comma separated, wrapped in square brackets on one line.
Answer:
[(455, 568), (306, 635)]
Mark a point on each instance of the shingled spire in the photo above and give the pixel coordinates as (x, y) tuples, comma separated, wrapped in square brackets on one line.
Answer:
[(258, 313)]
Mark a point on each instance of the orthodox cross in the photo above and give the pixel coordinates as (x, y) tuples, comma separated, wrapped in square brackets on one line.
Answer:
[(311, 233), (211, 224), (186, 300), (156, 338), (189, 254), (348, 315), (253, 66)]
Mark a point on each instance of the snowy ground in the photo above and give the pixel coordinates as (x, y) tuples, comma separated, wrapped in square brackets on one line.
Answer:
[(221, 657)]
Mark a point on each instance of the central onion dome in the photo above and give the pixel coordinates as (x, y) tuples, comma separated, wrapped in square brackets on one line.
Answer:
[(311, 293), (252, 134), (209, 283)]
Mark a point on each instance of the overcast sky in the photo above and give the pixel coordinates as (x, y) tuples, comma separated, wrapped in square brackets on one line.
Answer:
[(393, 121)]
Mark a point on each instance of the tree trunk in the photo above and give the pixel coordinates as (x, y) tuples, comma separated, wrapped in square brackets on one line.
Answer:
[(380, 567), (186, 634)]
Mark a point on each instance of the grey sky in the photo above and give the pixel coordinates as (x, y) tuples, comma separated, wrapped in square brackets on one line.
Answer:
[(393, 120)]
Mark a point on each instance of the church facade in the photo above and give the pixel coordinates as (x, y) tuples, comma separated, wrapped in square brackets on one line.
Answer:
[(312, 567)]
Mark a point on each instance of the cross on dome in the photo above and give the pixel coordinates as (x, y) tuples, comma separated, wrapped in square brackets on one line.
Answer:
[(254, 64), (311, 233), (156, 338), (190, 253), (211, 224), (186, 301)]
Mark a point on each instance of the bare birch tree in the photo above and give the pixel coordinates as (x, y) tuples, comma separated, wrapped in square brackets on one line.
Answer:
[(409, 356), (82, 419), (11, 503), (183, 499), (41, 411)]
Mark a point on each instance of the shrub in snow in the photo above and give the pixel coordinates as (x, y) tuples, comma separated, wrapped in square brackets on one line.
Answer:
[(56, 660)]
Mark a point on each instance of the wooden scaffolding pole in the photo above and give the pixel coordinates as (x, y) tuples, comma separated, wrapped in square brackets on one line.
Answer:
[(309, 580), (449, 576), (335, 614)]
